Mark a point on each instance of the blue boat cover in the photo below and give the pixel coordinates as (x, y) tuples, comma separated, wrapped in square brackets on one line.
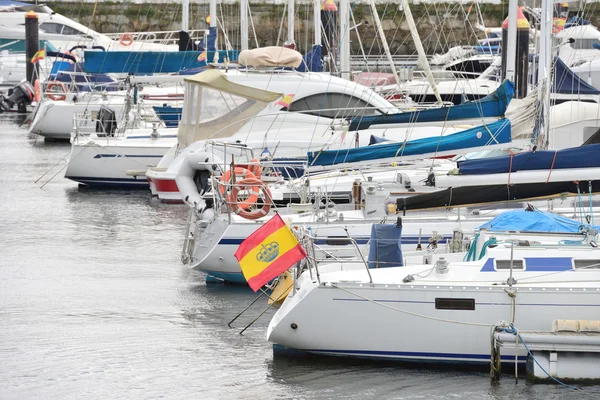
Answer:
[(169, 115), (532, 221), (576, 21), (576, 157), (7, 3), (487, 49), (492, 105), (567, 82), (312, 60), (495, 133), (386, 246), (147, 62), (62, 72)]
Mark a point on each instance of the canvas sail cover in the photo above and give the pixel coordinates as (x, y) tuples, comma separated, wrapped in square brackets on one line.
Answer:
[(566, 81), (576, 157), (482, 194), (492, 105), (215, 107), (495, 133)]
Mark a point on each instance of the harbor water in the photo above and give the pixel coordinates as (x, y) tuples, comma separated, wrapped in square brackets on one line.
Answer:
[(95, 304)]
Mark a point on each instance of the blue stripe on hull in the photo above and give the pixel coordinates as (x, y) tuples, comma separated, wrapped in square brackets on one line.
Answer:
[(230, 277), (113, 183), (403, 356)]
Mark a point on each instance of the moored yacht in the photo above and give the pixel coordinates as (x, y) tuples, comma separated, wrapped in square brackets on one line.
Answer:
[(442, 312)]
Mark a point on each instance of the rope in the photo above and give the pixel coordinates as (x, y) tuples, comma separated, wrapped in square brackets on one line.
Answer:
[(511, 155), (511, 329), (552, 166)]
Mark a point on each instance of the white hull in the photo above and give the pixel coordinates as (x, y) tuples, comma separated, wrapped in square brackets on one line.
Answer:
[(54, 119), (216, 242), (346, 315), (105, 161)]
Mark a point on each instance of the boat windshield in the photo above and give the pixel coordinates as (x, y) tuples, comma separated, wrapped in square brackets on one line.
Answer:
[(209, 113)]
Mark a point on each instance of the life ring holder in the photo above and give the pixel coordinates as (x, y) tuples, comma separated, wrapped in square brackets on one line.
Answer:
[(52, 95), (233, 200), (126, 39), (251, 183)]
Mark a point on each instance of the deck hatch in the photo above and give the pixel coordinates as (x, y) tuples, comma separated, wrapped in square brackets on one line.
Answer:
[(338, 241), (454, 304), (505, 264), (586, 263)]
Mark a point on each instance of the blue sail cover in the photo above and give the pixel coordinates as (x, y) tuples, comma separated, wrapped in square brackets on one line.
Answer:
[(169, 115), (492, 105), (567, 82), (495, 133), (587, 156), (385, 248), (147, 62), (532, 221)]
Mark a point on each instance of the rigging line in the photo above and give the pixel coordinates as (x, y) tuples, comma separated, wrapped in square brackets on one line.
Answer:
[(253, 28), (52, 167), (281, 24)]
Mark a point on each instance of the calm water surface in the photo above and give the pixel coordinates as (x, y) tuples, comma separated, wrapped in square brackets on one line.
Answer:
[(95, 304)]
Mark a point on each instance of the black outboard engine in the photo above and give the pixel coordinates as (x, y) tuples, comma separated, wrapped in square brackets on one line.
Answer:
[(22, 95)]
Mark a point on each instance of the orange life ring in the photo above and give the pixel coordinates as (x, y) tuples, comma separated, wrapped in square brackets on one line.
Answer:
[(37, 91), (251, 183), (241, 173), (255, 168), (126, 39), (53, 94)]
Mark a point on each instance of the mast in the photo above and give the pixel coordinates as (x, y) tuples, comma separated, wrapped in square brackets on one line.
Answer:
[(511, 44), (185, 15), (244, 24), (212, 27), (386, 48), (317, 17), (545, 72), (419, 46), (344, 40), (291, 15)]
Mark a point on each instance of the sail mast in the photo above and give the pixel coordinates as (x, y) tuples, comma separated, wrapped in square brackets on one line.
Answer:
[(418, 44)]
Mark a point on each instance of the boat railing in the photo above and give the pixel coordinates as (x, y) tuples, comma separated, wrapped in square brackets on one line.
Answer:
[(161, 37), (308, 241), (110, 126)]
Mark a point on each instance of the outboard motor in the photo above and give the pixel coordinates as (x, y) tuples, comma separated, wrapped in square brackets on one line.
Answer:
[(22, 95)]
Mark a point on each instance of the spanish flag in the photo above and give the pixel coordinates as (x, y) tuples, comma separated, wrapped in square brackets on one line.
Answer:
[(286, 100), (38, 56), (202, 56), (268, 252)]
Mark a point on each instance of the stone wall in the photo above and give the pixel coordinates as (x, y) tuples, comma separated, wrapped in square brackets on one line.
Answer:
[(440, 25)]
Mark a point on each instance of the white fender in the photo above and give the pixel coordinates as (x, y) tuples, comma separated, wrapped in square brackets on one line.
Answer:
[(194, 161)]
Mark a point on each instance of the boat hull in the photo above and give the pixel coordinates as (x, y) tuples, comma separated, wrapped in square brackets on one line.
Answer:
[(105, 163), (348, 325)]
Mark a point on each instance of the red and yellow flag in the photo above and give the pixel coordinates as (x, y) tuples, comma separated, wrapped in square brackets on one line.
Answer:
[(268, 252), (38, 56), (202, 56), (286, 100)]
